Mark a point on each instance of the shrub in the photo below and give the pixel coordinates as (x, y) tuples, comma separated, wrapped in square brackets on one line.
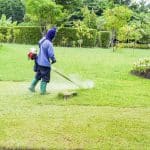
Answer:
[(70, 37), (6, 29), (3, 33), (85, 34), (142, 68), (132, 45), (90, 39), (67, 36), (7, 34)]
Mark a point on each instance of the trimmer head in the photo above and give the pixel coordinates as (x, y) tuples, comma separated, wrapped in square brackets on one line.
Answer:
[(67, 94)]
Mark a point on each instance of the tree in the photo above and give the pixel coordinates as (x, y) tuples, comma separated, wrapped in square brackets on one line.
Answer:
[(71, 10), (142, 21), (145, 34), (122, 2), (142, 6), (98, 6), (90, 18), (129, 33), (70, 18), (101, 23), (46, 12), (141, 18), (12, 8), (116, 18), (70, 5), (82, 31)]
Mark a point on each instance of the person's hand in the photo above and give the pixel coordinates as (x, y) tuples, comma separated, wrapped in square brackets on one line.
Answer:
[(53, 61)]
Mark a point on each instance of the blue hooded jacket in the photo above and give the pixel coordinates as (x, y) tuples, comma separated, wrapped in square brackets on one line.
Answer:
[(46, 52)]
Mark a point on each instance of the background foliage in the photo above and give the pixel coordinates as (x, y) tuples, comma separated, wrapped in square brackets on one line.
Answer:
[(128, 21), (13, 9)]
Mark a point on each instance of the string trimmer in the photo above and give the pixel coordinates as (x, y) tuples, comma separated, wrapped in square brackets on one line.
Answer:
[(64, 76)]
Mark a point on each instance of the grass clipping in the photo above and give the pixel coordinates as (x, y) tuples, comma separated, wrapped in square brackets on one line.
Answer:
[(75, 80), (80, 83)]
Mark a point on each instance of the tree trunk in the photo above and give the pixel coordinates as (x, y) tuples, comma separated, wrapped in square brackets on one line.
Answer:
[(134, 47), (113, 39), (42, 27)]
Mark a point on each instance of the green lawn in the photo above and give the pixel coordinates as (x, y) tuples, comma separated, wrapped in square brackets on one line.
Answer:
[(113, 115)]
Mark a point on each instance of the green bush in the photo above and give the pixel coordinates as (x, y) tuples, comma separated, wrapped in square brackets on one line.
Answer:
[(3, 33), (20, 34), (132, 45), (27, 34), (7, 34), (90, 41), (105, 38), (70, 37), (66, 37), (142, 68)]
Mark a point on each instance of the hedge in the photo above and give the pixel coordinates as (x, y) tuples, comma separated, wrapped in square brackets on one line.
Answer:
[(65, 36), (132, 45), (104, 39), (91, 40), (27, 35), (22, 34)]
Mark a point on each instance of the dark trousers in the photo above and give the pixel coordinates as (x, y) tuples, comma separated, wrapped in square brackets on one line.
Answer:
[(43, 73)]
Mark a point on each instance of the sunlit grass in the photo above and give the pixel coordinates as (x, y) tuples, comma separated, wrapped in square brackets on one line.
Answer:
[(112, 115)]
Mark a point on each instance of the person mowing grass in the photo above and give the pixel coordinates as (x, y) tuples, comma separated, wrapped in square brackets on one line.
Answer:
[(43, 61)]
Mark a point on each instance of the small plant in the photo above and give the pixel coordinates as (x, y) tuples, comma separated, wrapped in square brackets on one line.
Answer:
[(7, 29), (64, 41), (80, 42), (142, 68), (73, 43), (83, 32), (1, 38)]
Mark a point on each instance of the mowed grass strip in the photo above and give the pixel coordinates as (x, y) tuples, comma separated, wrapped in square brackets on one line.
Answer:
[(72, 127)]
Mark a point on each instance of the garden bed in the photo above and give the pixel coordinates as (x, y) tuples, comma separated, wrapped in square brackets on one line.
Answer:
[(142, 68), (142, 74)]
